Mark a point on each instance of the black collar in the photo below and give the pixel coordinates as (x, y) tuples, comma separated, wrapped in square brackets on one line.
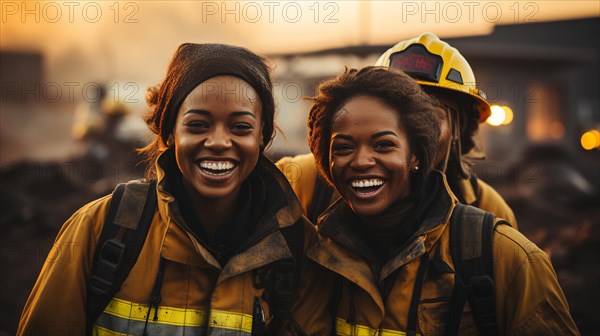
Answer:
[(260, 198), (343, 226)]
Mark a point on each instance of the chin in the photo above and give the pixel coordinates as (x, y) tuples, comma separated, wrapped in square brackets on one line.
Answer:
[(213, 193), (367, 210)]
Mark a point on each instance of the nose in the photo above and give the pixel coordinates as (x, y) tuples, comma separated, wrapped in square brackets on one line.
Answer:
[(363, 159), (218, 139)]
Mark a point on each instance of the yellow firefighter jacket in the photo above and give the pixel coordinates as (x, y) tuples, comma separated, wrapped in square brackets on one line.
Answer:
[(302, 173), (199, 296), (529, 300)]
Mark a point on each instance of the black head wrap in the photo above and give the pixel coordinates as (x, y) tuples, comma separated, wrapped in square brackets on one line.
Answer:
[(193, 64)]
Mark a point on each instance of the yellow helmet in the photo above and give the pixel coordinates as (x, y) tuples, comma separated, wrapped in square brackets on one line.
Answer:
[(434, 63)]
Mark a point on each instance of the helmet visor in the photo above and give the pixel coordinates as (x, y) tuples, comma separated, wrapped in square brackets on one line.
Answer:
[(418, 62)]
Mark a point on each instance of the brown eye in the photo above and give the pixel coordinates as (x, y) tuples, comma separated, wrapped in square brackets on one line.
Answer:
[(384, 145), (341, 149), (242, 128), (196, 124)]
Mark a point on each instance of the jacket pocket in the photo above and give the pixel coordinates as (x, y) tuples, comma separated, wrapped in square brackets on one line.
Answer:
[(545, 320), (433, 315)]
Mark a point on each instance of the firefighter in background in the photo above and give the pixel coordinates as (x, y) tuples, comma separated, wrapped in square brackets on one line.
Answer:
[(96, 122), (447, 77), (102, 126), (88, 119)]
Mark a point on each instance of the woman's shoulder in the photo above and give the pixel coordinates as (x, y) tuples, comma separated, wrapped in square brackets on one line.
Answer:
[(298, 169), (490, 200), (93, 211), (514, 253), (85, 225), (507, 239), (96, 206)]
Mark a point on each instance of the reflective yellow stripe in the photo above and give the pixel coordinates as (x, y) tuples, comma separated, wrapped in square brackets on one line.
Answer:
[(99, 331), (129, 311), (345, 329), (387, 332), (166, 315), (231, 320)]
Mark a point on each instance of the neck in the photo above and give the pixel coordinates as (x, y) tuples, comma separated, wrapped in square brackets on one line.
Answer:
[(213, 212), (387, 226)]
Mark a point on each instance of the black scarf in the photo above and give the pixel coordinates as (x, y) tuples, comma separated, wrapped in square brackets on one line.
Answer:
[(386, 234), (228, 239)]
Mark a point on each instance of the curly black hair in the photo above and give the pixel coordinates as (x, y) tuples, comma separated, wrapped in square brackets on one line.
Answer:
[(415, 109)]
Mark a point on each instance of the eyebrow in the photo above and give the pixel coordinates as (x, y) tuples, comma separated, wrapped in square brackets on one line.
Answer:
[(342, 136), (380, 134), (206, 113), (374, 136)]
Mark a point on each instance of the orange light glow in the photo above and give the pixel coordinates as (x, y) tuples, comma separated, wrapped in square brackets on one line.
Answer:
[(501, 115), (509, 115), (590, 140), (497, 117)]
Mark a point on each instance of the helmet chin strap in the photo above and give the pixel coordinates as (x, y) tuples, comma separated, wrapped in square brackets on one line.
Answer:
[(453, 118), (449, 120)]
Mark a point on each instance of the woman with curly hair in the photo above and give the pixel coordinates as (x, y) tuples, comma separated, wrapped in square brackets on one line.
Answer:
[(387, 241)]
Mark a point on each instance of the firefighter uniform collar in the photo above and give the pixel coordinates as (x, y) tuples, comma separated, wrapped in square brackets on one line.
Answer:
[(266, 243), (343, 251)]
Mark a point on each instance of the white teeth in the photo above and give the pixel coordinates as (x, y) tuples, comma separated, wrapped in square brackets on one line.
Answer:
[(367, 183), (222, 165)]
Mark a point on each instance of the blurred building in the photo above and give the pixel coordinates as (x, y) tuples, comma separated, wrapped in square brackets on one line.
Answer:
[(547, 73)]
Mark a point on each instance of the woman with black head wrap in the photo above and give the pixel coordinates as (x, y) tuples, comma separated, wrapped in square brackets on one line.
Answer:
[(226, 240)]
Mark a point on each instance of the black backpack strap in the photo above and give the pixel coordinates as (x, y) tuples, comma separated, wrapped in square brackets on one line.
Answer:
[(336, 298), (483, 294), (124, 232), (321, 199), (411, 327), (280, 280), (471, 247), (460, 291), (287, 274)]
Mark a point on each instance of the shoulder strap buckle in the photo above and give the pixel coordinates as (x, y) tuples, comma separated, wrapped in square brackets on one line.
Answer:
[(284, 281), (123, 235), (110, 258), (483, 302)]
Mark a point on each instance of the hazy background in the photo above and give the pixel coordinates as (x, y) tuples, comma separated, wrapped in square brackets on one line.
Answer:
[(60, 149)]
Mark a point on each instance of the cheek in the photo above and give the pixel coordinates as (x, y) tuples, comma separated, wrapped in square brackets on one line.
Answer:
[(400, 170), (250, 148), (186, 142), (183, 146)]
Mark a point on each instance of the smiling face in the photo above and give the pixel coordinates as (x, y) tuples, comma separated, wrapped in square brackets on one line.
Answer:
[(370, 155), (218, 137)]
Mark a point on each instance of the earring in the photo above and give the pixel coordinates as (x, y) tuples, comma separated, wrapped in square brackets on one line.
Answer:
[(415, 169)]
